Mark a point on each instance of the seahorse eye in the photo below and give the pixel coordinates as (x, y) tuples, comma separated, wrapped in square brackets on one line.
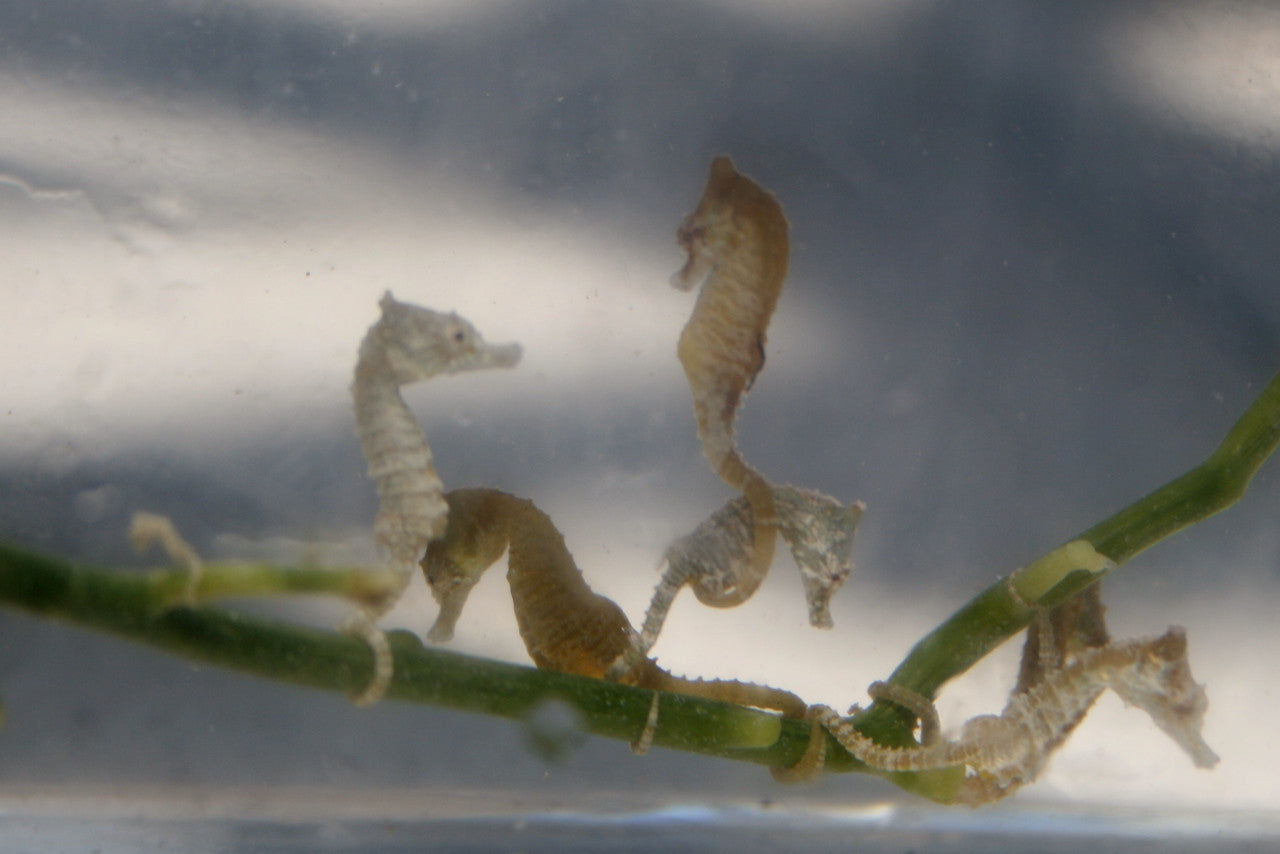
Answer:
[(433, 567), (458, 335), (689, 232)]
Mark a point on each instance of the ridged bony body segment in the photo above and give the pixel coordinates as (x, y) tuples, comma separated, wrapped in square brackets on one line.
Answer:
[(412, 510)]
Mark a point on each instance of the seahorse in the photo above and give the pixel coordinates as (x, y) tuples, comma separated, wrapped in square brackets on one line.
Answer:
[(565, 625), (407, 344), (1011, 749), (737, 244), (717, 553)]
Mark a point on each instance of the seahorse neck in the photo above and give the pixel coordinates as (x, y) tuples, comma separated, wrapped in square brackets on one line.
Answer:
[(371, 375), (412, 510), (383, 420)]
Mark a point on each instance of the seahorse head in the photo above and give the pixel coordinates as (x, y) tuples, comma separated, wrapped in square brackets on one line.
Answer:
[(1161, 684), (734, 211), (451, 584), (418, 343), (473, 541), (824, 555)]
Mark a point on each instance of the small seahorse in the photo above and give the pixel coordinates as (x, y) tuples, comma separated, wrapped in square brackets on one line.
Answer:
[(738, 248), (1011, 749), (717, 554), (565, 625), (407, 344)]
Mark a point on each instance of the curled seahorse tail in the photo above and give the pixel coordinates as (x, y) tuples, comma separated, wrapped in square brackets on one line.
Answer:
[(727, 691)]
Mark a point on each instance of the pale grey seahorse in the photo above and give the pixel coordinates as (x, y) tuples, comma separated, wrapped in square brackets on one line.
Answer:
[(408, 344), (715, 556), (1011, 749)]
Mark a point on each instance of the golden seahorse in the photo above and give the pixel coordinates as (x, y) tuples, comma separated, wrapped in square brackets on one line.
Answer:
[(737, 244), (565, 625)]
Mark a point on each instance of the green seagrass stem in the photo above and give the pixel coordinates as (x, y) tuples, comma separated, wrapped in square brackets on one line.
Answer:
[(138, 606), (1009, 605), (239, 579)]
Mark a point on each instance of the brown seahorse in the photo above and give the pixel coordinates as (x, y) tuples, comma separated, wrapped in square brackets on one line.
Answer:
[(737, 244), (565, 625)]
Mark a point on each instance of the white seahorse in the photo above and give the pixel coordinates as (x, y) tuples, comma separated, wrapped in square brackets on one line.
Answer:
[(408, 344)]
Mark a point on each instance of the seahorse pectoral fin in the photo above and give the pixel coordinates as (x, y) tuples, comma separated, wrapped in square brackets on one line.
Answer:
[(757, 367), (726, 593)]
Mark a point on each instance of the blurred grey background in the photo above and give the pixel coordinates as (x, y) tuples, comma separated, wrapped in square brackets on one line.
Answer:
[(1032, 278)]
